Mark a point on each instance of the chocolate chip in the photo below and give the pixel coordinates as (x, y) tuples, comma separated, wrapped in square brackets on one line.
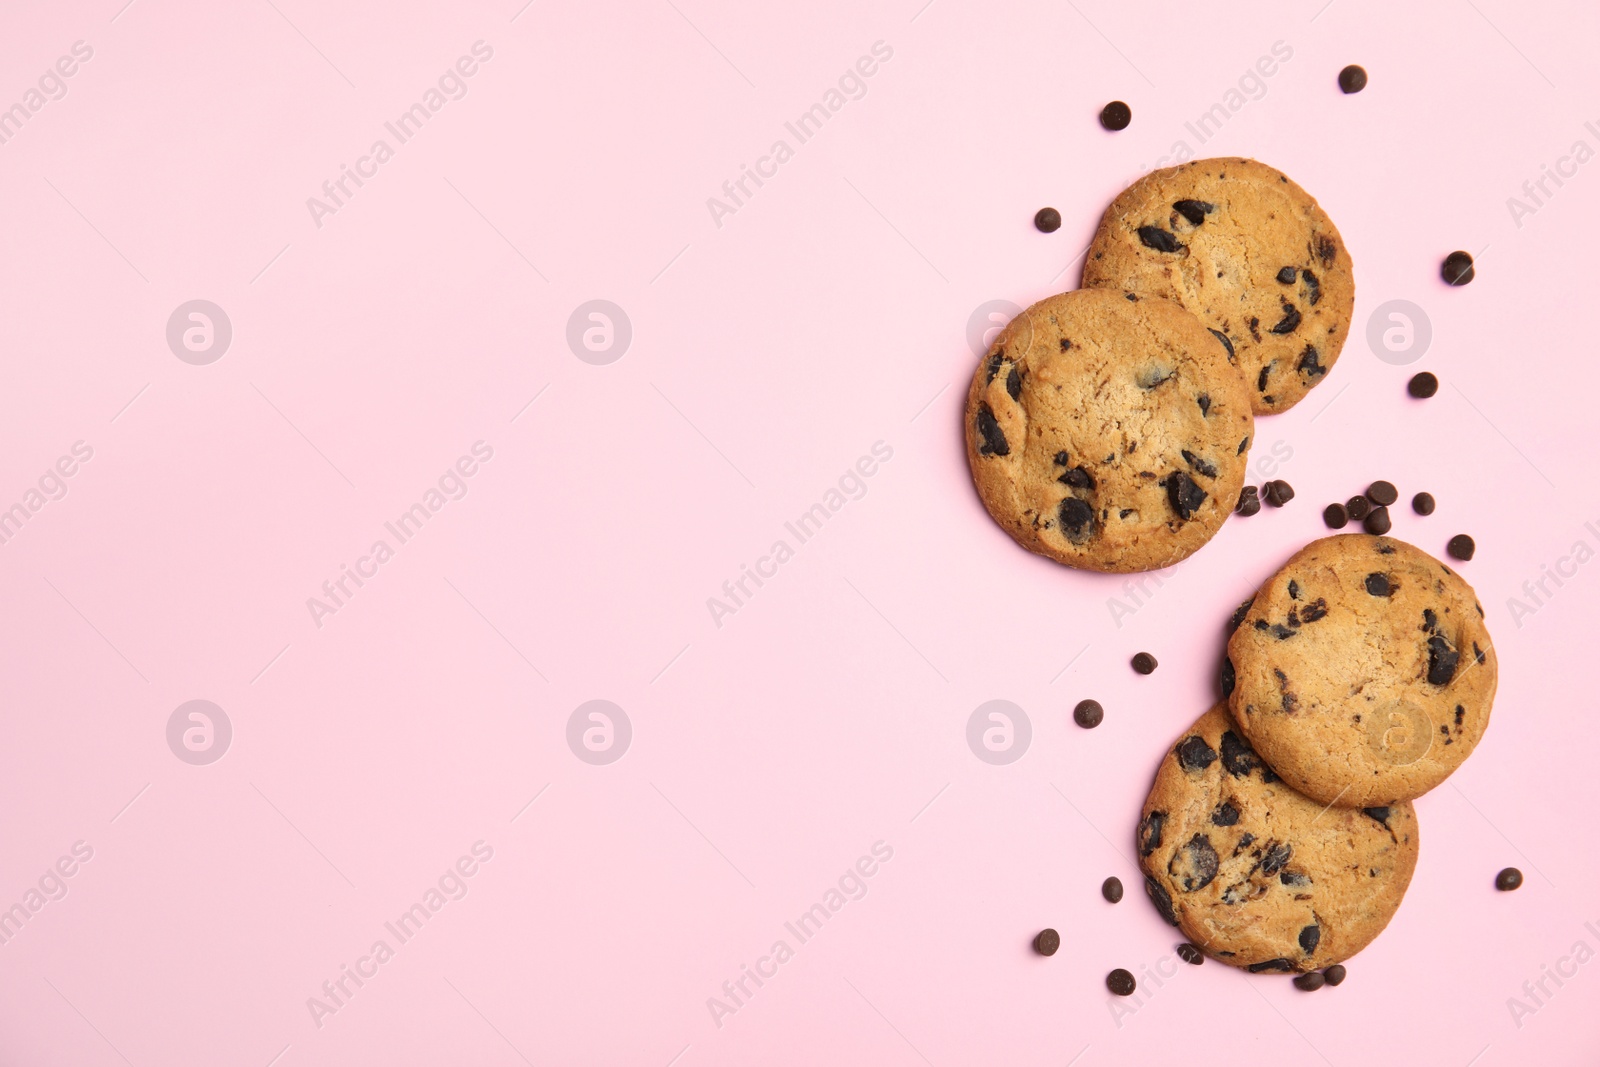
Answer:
[(1290, 320), (1238, 614), (1334, 974), (1150, 832), (1194, 210), (1442, 660), (1261, 379), (1276, 858), (1111, 889), (1228, 681), (1121, 982), (1378, 585), (1183, 494), (1309, 938), (1279, 964), (1249, 501), (1378, 814), (1314, 610), (1382, 493), (1286, 276), (1077, 519), (1313, 287), (1161, 899), (1046, 942), (1310, 982), (1225, 342), (1066, 345), (1204, 401), (1457, 268), (994, 441), (1078, 478), (1014, 383), (1508, 879), (1194, 754), (1377, 521), (1335, 516), (1061, 459), (1352, 79), (1358, 508), (1157, 238), (1088, 714), (1199, 465), (1461, 547), (1244, 443), (1225, 814), (1327, 251), (1293, 879), (1310, 362), (1278, 492), (1423, 385), (1190, 954), (1116, 115), (1194, 866), (1422, 503), (1238, 758), (1144, 662), (1047, 220)]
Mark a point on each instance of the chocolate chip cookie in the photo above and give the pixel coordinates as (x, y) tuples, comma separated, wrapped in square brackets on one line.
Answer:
[(1362, 671), (1108, 431), (1248, 251), (1258, 875)]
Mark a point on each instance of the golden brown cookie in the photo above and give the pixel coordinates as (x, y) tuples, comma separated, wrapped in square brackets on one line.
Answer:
[(1108, 431), (1258, 875), (1248, 251), (1362, 671)]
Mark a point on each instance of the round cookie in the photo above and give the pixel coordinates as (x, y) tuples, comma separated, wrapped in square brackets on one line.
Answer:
[(1258, 875), (1248, 251), (1362, 671), (1108, 431)]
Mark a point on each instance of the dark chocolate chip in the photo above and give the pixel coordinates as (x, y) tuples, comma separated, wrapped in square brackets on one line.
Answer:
[(1116, 115), (1046, 942), (1249, 501), (1293, 879), (1228, 680), (1157, 238), (1310, 981), (1190, 954), (1378, 584), (992, 367), (1205, 403), (1194, 210), (1290, 320), (1276, 858), (1078, 478), (1423, 385), (1279, 964), (1309, 938), (1014, 383), (1225, 342), (1088, 714), (1309, 362), (1066, 345), (1077, 519), (1334, 974), (1121, 982), (1150, 832), (1382, 493), (1314, 610), (1335, 516), (1048, 220), (1111, 889), (1194, 754), (1183, 494), (1194, 866), (1238, 614), (1508, 879), (1422, 504), (994, 441), (1457, 268), (1358, 508), (1225, 814), (1327, 251), (1313, 287), (1199, 465), (1352, 79), (1061, 459), (1377, 521), (1278, 492), (1255, 327), (1144, 662), (1461, 547), (1286, 276), (1442, 660), (1261, 379), (1294, 589), (1238, 758), (1379, 814)]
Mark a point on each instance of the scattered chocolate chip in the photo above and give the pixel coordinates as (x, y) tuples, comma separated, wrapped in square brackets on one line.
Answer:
[(1190, 954), (1378, 585), (1121, 982), (1377, 521), (1461, 547), (1382, 493), (1111, 889), (1194, 210), (1358, 508), (1353, 79), (1150, 832), (1046, 942), (1116, 115), (1335, 516), (1310, 981), (1508, 879), (1249, 501), (1290, 320), (1048, 220), (1225, 343), (1157, 238), (1278, 492), (1184, 495), (1144, 663), (1088, 714), (1334, 974), (1457, 268), (994, 441), (1194, 754), (1422, 503), (1286, 276), (1423, 385)]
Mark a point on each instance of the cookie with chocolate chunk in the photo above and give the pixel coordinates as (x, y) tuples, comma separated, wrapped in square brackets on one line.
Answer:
[(1108, 431), (1257, 874), (1246, 249), (1362, 671)]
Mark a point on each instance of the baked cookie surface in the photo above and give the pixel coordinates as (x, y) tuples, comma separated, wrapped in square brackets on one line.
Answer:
[(1248, 251), (1258, 875), (1362, 671), (1108, 431)]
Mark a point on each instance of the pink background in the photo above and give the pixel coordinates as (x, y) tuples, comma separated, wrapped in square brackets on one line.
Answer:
[(768, 354)]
